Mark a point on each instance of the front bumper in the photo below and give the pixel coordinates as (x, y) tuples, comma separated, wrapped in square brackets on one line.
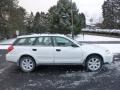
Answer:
[(108, 58)]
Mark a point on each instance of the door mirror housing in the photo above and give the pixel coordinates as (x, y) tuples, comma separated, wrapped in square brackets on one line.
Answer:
[(74, 45)]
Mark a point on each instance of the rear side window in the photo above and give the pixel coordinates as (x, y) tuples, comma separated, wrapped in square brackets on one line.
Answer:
[(30, 41), (25, 41), (39, 41), (44, 41)]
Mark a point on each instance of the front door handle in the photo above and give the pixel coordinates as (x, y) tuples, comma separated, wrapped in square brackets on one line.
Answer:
[(58, 50), (34, 49)]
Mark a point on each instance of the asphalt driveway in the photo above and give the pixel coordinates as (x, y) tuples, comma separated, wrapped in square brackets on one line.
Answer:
[(59, 78)]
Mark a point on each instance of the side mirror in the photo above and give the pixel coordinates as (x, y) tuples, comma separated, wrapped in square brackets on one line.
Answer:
[(74, 45)]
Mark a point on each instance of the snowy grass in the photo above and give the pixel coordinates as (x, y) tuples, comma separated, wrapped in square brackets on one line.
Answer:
[(109, 31), (114, 48), (86, 37)]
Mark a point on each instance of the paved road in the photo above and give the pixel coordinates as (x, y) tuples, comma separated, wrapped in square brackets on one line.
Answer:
[(59, 78)]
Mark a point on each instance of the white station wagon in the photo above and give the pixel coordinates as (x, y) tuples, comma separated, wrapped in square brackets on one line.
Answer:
[(51, 49)]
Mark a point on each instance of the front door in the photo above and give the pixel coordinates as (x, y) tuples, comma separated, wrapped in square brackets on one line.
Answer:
[(66, 52)]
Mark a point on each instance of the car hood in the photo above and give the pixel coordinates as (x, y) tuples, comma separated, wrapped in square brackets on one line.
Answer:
[(94, 48)]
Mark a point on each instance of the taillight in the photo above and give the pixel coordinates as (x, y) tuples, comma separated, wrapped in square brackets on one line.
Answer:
[(10, 48)]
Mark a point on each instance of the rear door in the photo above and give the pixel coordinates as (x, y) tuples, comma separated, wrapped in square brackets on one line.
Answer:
[(40, 48), (43, 50)]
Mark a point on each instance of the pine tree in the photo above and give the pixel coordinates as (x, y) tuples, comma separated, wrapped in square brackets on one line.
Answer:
[(5, 7), (61, 18), (41, 23), (29, 23), (36, 27), (17, 20), (11, 16), (44, 23), (111, 14)]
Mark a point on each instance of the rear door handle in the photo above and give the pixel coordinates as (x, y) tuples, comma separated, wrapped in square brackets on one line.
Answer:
[(34, 49), (58, 50)]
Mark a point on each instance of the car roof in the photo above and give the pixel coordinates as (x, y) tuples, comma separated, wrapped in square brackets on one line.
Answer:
[(37, 35)]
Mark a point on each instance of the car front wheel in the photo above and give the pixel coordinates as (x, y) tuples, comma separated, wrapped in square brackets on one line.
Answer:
[(94, 63), (27, 64)]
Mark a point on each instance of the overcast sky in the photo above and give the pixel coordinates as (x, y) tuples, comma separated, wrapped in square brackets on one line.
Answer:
[(91, 8)]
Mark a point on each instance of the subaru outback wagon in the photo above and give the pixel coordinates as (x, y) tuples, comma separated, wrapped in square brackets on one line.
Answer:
[(51, 49)]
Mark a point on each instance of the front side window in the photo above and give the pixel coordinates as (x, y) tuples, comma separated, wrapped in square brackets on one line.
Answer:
[(44, 41), (60, 41)]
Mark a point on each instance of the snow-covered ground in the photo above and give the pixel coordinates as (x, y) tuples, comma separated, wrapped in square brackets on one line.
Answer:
[(7, 41), (4, 44), (95, 38), (109, 31), (114, 48)]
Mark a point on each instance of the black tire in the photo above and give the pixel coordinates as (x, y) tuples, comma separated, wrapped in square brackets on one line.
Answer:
[(27, 64), (94, 63)]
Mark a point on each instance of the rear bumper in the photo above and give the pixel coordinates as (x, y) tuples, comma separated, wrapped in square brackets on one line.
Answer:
[(11, 58)]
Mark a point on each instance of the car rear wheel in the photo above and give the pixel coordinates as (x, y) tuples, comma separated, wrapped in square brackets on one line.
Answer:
[(27, 64), (94, 63)]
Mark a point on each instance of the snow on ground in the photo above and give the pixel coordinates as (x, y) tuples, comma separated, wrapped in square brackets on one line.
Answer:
[(114, 48), (4, 44), (95, 38), (102, 30), (8, 41)]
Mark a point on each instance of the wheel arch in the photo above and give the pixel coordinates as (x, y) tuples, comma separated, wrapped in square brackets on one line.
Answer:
[(25, 55), (93, 54)]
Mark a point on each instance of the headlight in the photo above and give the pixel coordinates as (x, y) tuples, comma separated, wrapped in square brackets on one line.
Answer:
[(107, 51)]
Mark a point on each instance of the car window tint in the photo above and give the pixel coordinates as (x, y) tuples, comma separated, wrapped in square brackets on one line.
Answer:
[(44, 41), (25, 41), (39, 41), (21, 41), (60, 41), (30, 41), (47, 41)]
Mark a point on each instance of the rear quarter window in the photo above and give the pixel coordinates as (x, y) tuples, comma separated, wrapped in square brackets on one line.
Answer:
[(25, 41)]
